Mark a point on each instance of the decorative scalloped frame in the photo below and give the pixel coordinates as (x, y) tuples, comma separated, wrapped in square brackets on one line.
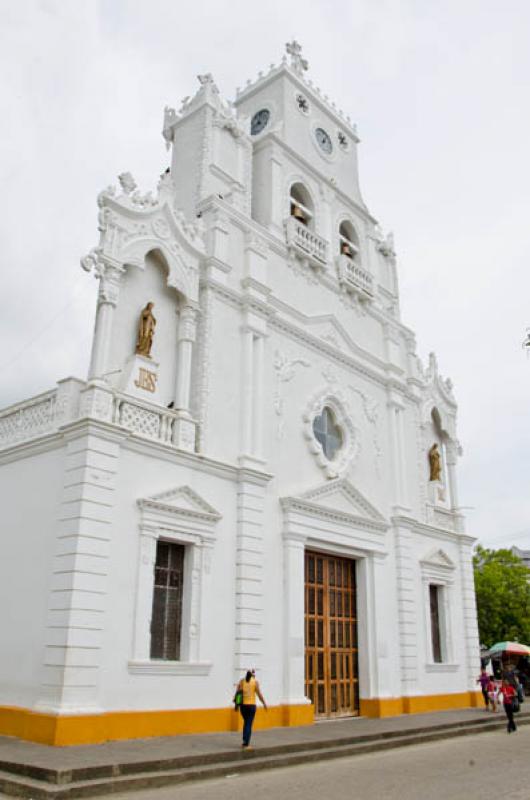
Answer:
[(338, 403)]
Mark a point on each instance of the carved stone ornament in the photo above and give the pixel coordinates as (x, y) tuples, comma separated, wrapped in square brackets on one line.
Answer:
[(285, 369), (371, 411), (131, 225), (334, 399), (298, 64)]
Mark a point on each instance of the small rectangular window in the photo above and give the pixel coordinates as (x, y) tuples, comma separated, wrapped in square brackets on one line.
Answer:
[(166, 618), (434, 597)]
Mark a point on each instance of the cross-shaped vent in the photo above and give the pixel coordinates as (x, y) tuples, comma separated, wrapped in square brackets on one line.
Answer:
[(303, 105), (328, 433)]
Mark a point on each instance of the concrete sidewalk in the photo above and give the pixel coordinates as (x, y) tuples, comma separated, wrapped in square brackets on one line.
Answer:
[(16, 751)]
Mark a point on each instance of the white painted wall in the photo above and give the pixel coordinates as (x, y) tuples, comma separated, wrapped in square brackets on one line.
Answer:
[(315, 341), (30, 495)]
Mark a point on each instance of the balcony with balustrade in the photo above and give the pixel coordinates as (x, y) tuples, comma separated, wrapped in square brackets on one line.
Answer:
[(46, 414), (354, 278), (305, 243)]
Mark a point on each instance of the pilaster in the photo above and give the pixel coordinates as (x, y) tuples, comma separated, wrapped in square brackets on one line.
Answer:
[(249, 605), (109, 273), (396, 410), (451, 456), (293, 639), (407, 611), (469, 609), (79, 581)]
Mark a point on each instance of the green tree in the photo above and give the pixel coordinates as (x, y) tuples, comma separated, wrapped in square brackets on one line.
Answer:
[(503, 596)]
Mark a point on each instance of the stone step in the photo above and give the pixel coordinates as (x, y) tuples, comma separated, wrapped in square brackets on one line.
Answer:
[(92, 781), (114, 769)]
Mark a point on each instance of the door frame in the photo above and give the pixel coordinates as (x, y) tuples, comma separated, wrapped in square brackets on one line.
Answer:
[(326, 645), (294, 614)]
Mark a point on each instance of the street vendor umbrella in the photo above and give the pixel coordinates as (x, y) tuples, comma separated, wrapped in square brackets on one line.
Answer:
[(511, 648)]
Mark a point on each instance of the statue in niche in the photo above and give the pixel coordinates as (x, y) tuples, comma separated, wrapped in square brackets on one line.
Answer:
[(435, 463), (146, 330)]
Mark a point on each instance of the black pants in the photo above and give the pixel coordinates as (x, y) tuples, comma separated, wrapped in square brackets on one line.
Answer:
[(248, 713), (508, 707), (485, 695)]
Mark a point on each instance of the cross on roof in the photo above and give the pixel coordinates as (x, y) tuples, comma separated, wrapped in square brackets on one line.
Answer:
[(298, 63)]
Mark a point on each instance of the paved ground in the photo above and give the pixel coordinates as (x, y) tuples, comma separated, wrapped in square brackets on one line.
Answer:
[(170, 746), (487, 766)]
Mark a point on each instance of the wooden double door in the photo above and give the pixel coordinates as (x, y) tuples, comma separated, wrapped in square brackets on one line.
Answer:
[(331, 670)]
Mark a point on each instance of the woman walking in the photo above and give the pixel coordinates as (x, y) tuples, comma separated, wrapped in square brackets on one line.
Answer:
[(509, 698), (249, 688), (484, 680)]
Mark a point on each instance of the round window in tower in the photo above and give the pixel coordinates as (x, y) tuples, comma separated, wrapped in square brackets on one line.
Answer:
[(328, 433), (259, 121), (323, 140)]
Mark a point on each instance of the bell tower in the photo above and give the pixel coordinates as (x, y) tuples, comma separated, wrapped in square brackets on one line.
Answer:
[(297, 133), (212, 152)]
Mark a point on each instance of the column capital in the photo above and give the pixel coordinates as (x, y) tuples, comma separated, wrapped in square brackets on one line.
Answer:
[(187, 324), (452, 451)]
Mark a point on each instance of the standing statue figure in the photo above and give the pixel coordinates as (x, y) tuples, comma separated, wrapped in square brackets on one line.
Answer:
[(146, 329), (435, 463)]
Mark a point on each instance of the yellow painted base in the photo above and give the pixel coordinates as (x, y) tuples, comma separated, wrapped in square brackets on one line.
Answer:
[(98, 728), (418, 704)]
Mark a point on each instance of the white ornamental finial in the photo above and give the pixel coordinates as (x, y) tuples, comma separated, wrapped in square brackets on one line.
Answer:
[(127, 183), (206, 78), (298, 63)]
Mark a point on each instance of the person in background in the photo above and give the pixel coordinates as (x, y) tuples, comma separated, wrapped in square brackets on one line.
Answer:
[(484, 680), (509, 697), (249, 687), (493, 691)]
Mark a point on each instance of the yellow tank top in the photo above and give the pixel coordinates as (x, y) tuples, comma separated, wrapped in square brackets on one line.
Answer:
[(249, 692)]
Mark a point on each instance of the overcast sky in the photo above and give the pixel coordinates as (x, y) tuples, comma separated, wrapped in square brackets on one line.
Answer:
[(440, 93)]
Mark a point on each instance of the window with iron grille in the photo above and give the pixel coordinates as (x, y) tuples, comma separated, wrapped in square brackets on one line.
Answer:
[(166, 618), (436, 638)]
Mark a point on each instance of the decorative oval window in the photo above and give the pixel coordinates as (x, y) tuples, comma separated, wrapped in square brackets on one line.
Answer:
[(328, 433)]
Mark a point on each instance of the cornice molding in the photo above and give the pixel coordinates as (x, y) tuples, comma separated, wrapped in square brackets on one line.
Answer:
[(312, 509), (415, 525)]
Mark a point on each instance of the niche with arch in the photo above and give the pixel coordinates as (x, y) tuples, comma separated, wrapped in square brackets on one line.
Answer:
[(138, 287), (437, 436)]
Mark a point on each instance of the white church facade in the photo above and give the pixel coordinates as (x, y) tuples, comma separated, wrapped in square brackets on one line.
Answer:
[(248, 477)]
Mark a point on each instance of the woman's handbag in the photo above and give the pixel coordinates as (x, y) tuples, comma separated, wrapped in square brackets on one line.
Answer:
[(238, 699)]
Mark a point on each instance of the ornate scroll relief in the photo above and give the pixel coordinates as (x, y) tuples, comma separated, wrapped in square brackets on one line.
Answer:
[(333, 398), (285, 369), (131, 225), (371, 412)]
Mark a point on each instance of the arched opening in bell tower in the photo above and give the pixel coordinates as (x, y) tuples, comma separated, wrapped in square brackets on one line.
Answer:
[(348, 241), (301, 205)]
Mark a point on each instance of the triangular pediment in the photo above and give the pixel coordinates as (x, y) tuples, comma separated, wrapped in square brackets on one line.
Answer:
[(328, 328), (181, 499), (339, 496), (438, 558)]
